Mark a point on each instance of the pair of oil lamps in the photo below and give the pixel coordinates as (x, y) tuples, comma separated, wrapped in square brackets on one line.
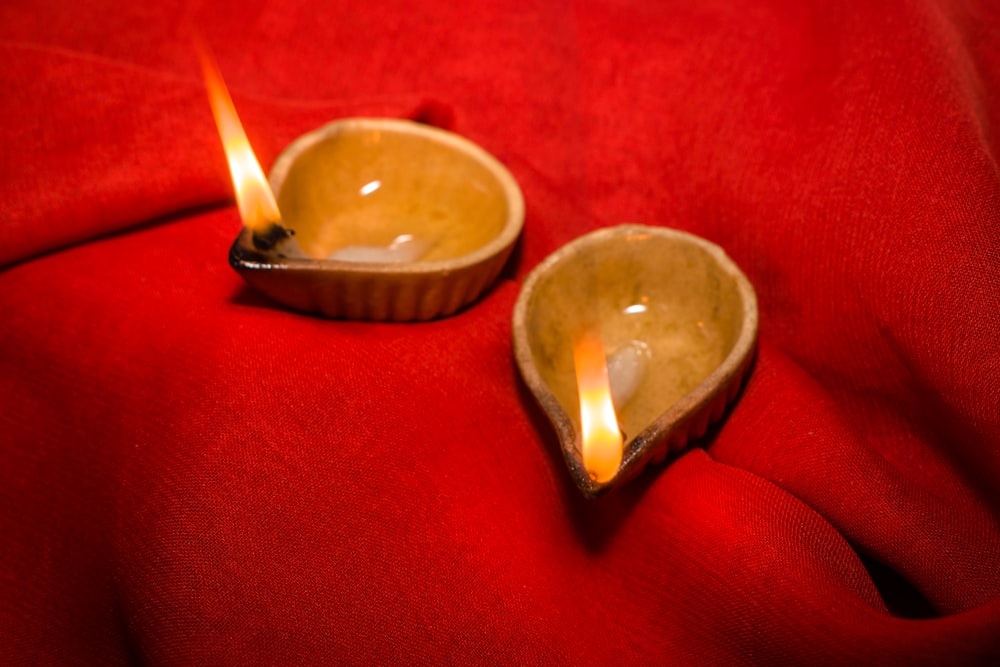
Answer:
[(633, 339)]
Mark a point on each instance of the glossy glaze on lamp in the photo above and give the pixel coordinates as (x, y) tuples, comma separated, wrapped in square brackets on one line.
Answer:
[(365, 183), (676, 293)]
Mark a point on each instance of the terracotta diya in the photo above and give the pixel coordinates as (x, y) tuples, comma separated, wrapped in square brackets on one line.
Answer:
[(678, 321), (392, 220)]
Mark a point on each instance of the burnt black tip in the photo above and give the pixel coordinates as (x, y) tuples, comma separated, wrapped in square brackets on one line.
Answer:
[(274, 234)]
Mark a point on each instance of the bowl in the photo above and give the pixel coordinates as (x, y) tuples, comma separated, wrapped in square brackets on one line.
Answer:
[(668, 299), (396, 221)]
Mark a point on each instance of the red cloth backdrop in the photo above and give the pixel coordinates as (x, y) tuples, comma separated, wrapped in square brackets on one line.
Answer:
[(191, 475)]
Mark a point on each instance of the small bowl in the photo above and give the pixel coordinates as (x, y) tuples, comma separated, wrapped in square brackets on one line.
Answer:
[(364, 183), (689, 305)]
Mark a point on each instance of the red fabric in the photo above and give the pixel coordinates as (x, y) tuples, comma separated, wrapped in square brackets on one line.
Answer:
[(191, 475)]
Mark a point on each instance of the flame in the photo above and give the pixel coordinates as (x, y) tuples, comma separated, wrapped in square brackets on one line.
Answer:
[(254, 198), (602, 439)]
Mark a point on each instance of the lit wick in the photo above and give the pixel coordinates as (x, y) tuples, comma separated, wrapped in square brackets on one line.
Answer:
[(257, 207), (602, 439)]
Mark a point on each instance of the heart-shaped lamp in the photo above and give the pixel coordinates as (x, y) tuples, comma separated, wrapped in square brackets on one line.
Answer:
[(678, 321)]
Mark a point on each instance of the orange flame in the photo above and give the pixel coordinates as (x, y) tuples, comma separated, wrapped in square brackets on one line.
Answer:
[(254, 198), (602, 439)]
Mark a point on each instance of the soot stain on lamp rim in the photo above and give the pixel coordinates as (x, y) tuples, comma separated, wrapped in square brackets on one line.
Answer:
[(275, 233)]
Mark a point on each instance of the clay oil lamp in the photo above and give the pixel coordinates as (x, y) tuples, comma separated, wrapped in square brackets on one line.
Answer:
[(634, 340), (370, 218)]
